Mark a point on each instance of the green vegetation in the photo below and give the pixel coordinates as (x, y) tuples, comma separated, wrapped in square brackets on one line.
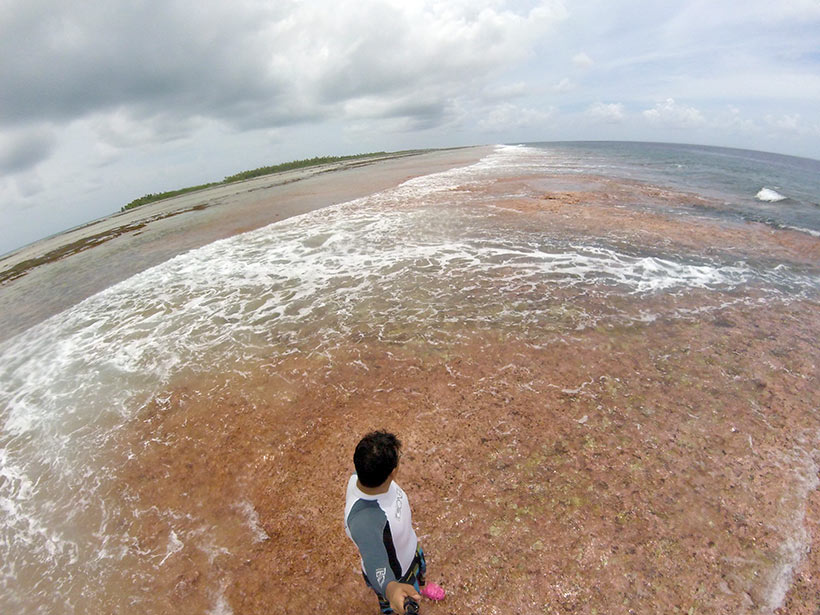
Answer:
[(296, 164), (150, 197), (277, 168)]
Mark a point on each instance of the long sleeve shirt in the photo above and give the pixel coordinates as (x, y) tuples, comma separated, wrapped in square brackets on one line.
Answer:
[(381, 526)]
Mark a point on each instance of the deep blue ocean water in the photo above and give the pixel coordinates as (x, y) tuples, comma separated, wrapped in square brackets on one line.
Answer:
[(733, 176)]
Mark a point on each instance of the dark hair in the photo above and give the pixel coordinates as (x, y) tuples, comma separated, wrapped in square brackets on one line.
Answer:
[(376, 456)]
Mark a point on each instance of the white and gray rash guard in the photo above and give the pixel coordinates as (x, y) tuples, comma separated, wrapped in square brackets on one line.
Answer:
[(381, 526)]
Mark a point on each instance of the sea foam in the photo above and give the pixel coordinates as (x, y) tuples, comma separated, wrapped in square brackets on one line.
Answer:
[(769, 196)]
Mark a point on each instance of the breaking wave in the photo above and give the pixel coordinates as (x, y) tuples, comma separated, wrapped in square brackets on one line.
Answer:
[(769, 196)]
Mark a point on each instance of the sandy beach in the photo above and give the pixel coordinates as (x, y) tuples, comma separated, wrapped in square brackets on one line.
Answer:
[(85, 260)]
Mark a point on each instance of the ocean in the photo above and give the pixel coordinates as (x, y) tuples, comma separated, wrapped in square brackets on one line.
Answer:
[(602, 359)]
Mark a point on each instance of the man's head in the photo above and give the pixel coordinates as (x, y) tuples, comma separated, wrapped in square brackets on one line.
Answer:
[(376, 456)]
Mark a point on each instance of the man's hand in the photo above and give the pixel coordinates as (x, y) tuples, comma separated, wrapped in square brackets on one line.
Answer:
[(396, 593)]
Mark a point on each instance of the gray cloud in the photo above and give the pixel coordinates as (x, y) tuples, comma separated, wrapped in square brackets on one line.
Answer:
[(248, 64), (161, 93), (69, 60), (23, 149)]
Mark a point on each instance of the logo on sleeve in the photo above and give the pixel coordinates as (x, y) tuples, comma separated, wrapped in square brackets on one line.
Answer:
[(380, 574), (399, 502)]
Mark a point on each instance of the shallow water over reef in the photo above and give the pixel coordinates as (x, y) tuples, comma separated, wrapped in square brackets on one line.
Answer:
[(607, 395)]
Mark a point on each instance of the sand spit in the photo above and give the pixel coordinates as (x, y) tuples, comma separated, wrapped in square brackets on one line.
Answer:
[(85, 260)]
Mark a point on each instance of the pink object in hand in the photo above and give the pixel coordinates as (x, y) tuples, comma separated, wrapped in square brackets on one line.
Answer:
[(433, 592)]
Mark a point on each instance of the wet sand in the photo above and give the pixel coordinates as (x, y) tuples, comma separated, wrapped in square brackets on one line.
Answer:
[(49, 276), (620, 468), (667, 466)]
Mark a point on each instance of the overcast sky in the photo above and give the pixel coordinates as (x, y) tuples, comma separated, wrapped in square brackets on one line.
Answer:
[(102, 102)]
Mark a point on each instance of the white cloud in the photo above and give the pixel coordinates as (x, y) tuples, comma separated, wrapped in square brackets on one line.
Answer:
[(788, 123), (507, 91), (508, 117), (793, 124), (565, 85), (339, 55), (737, 121), (582, 60), (612, 113), (673, 114)]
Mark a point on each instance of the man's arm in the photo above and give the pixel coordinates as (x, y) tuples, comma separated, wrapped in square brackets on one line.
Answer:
[(370, 530)]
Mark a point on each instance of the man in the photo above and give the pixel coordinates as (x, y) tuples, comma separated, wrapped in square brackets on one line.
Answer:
[(378, 520)]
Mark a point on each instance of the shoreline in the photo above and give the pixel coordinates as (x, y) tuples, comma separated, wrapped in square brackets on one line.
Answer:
[(123, 221), (87, 259)]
